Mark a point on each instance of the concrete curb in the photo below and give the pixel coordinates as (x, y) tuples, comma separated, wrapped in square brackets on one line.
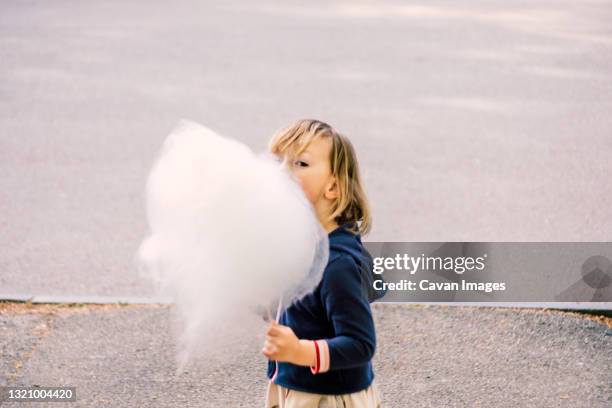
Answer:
[(531, 305), (94, 300), (596, 308), (591, 307)]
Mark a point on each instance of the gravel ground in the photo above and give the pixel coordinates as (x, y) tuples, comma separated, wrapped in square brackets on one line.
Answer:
[(427, 357), (474, 357), (20, 334)]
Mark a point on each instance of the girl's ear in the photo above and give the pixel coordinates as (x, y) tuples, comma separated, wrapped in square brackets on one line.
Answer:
[(331, 190)]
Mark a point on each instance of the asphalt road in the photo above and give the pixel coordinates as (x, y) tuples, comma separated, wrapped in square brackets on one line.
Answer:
[(473, 121), (426, 357)]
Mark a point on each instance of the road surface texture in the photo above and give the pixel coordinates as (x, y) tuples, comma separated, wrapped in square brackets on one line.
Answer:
[(473, 120), (426, 357)]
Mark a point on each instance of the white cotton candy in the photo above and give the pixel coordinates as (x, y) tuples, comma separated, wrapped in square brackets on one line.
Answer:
[(230, 233)]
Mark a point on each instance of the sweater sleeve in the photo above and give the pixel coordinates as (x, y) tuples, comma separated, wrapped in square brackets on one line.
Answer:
[(348, 310)]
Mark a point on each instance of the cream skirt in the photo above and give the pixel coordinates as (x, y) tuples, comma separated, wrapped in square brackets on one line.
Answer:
[(280, 397)]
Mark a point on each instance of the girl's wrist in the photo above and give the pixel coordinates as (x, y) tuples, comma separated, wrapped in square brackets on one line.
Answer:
[(305, 354)]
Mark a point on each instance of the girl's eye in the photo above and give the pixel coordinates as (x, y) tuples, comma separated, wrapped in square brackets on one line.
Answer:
[(301, 163)]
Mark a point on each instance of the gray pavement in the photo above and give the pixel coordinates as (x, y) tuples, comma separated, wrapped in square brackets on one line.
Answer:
[(474, 121), (431, 356)]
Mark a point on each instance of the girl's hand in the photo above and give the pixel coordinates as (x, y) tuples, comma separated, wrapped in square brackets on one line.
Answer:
[(283, 345)]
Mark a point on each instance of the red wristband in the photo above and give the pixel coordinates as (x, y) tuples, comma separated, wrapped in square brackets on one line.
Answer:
[(318, 359)]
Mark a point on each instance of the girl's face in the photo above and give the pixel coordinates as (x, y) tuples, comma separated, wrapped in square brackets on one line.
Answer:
[(313, 170)]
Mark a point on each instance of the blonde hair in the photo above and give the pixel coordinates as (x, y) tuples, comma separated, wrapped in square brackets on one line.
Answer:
[(351, 206)]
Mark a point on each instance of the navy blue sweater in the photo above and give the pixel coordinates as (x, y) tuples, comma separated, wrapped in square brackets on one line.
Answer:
[(338, 311)]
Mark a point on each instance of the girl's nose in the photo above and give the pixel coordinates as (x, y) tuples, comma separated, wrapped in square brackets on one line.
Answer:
[(283, 163), (286, 164)]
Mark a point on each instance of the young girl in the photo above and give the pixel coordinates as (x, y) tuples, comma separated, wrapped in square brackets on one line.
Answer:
[(320, 350)]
